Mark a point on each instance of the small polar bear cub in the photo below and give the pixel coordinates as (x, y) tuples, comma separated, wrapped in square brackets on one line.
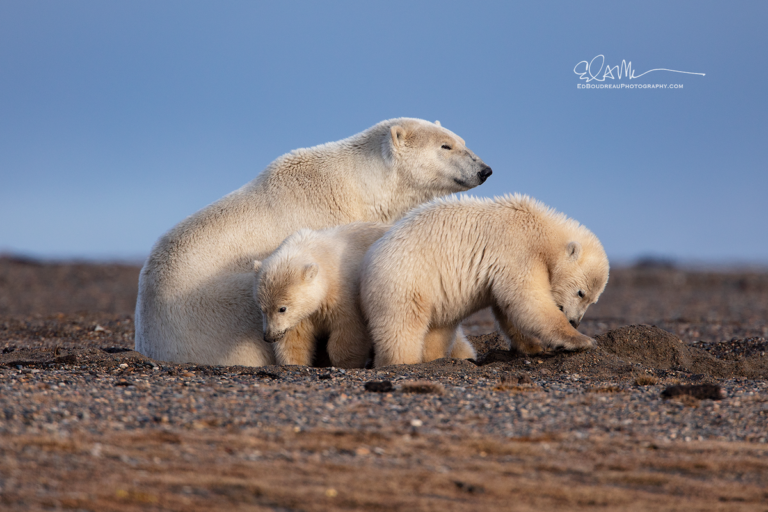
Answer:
[(537, 269), (309, 287)]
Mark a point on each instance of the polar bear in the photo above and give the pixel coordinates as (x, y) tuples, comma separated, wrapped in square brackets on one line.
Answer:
[(310, 288), (195, 301), (537, 269)]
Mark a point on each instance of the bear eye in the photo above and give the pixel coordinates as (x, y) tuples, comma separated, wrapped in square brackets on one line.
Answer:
[(446, 146), (581, 294), (282, 309)]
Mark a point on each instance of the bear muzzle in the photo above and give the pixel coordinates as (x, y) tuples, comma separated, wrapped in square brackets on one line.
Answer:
[(273, 337), (574, 323), (484, 173)]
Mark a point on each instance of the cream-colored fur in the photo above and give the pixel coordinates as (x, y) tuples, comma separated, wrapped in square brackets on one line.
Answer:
[(310, 288), (536, 268), (195, 299)]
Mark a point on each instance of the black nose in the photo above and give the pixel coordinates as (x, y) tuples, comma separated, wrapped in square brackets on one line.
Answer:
[(484, 173), (575, 323)]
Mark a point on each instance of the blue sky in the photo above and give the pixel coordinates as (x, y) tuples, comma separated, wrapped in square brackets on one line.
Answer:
[(119, 119)]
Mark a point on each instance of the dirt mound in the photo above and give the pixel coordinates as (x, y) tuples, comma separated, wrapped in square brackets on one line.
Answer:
[(634, 348)]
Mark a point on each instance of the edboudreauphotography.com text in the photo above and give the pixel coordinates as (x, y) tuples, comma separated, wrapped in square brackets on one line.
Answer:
[(629, 86)]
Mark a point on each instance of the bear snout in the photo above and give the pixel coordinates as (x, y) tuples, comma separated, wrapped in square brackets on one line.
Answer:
[(575, 323), (484, 173), (274, 337)]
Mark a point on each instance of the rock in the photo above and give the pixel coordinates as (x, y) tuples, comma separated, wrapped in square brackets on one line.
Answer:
[(383, 386)]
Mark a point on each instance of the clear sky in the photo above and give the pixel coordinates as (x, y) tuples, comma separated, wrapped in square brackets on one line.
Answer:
[(119, 119)]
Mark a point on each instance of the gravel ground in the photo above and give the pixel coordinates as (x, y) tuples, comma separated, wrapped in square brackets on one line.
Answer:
[(86, 423)]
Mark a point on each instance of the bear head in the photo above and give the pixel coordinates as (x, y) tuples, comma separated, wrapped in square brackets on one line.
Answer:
[(579, 277), (430, 157), (287, 290)]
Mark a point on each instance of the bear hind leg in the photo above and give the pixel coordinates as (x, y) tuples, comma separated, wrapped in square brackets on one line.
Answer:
[(349, 345), (462, 348), (438, 342)]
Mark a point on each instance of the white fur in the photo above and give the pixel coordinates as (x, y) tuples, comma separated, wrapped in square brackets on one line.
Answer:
[(452, 257), (195, 299), (310, 288)]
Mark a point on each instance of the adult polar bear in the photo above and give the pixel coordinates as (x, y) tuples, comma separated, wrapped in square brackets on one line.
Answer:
[(195, 300)]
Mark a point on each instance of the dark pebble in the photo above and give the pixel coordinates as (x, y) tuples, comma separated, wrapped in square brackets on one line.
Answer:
[(699, 391), (379, 386)]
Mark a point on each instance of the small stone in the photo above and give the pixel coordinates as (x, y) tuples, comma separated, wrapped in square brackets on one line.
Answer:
[(331, 493), (416, 423), (698, 391), (379, 386), (99, 328), (524, 380)]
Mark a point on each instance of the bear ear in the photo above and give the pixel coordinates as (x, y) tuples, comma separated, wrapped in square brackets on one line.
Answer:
[(574, 250), (438, 123), (256, 265), (310, 271), (398, 135)]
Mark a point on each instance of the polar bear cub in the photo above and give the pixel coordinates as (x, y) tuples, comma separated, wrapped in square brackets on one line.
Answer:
[(537, 269), (309, 287)]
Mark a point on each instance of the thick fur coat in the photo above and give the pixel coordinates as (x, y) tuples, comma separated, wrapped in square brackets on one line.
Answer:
[(536, 268), (195, 300), (309, 288)]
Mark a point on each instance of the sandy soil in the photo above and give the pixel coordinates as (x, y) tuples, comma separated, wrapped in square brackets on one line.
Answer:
[(86, 423)]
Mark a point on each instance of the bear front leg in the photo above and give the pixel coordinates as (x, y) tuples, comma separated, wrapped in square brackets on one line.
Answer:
[(539, 318), (399, 339), (517, 340), (561, 334), (297, 346), (349, 344)]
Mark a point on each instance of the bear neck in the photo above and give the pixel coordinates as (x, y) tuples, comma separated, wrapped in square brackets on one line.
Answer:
[(383, 191)]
